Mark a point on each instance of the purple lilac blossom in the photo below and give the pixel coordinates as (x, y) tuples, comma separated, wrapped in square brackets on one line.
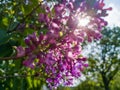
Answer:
[(58, 52)]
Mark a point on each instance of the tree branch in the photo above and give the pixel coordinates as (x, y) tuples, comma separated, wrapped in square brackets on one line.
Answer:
[(109, 67), (112, 74), (20, 75), (12, 76), (9, 58)]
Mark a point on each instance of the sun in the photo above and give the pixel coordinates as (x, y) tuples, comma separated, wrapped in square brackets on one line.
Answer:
[(83, 21)]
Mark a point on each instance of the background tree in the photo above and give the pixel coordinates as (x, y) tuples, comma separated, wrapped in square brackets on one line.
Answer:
[(104, 57)]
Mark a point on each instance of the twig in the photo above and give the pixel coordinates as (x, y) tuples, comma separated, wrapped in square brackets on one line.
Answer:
[(9, 58), (12, 76), (20, 75)]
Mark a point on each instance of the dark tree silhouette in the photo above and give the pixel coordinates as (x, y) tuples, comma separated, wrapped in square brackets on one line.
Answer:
[(104, 58)]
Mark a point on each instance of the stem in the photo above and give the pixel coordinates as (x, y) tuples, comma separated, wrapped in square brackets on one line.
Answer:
[(9, 58), (12, 76)]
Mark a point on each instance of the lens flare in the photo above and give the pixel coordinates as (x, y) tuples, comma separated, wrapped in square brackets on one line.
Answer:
[(83, 21)]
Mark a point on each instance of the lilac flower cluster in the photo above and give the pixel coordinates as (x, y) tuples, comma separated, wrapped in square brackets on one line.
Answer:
[(58, 52)]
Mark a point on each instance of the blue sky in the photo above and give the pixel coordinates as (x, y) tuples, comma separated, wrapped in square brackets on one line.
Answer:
[(116, 2), (114, 15)]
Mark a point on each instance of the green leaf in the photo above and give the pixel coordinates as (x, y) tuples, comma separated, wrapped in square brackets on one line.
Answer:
[(34, 2), (27, 9), (16, 83), (5, 50), (35, 83), (5, 21), (24, 84), (28, 31), (22, 8), (29, 80), (4, 37)]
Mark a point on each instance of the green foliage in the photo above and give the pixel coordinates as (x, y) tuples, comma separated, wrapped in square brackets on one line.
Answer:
[(13, 15), (4, 37), (5, 50), (104, 58), (15, 77)]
